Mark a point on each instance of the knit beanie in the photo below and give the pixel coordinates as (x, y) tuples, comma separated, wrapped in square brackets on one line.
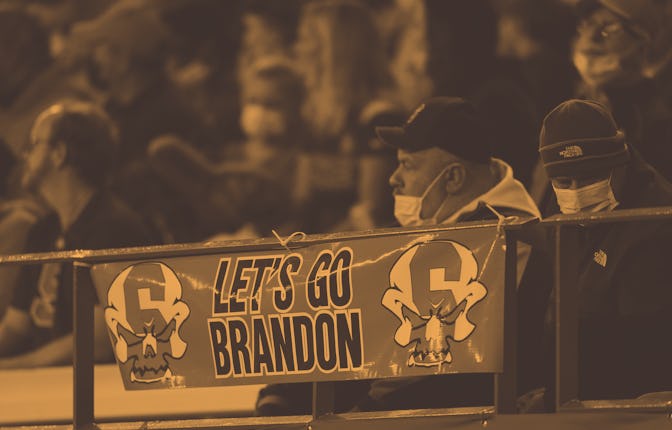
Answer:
[(579, 138)]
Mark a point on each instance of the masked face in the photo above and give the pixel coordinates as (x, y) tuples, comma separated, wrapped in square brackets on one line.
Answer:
[(608, 52), (408, 209), (593, 197)]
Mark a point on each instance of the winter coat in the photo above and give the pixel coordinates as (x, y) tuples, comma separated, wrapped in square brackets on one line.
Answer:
[(625, 294)]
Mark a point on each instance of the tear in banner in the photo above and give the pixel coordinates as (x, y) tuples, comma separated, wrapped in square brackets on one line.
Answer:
[(407, 304)]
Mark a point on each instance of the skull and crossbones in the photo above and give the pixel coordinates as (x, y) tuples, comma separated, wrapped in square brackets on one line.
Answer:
[(433, 286), (144, 315)]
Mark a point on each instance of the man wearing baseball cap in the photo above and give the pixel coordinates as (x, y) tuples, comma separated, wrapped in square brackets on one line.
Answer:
[(623, 280), (446, 174)]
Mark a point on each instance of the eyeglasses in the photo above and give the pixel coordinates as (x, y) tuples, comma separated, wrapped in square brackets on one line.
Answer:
[(607, 29)]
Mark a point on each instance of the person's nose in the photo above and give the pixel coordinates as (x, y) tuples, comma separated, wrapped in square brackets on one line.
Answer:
[(395, 180)]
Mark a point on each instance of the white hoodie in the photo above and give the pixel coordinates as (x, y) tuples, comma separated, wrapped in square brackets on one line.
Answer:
[(508, 192)]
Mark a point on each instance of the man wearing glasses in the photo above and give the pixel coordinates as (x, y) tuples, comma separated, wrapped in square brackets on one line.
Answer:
[(612, 51), (68, 163)]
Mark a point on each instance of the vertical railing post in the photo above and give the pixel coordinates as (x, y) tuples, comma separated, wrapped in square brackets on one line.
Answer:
[(566, 315), (505, 383), (324, 399), (83, 336)]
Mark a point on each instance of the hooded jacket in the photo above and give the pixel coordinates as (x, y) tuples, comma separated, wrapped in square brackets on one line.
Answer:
[(508, 197)]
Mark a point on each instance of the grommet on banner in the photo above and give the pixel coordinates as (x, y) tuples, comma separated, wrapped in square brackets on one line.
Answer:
[(301, 235)]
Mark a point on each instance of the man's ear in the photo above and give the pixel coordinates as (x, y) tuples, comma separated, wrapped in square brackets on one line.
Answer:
[(455, 177), (59, 153)]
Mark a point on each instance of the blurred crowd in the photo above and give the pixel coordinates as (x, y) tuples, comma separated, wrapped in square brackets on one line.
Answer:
[(193, 120), (240, 117)]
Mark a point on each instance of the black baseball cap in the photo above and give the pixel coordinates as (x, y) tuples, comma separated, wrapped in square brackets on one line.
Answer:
[(448, 123)]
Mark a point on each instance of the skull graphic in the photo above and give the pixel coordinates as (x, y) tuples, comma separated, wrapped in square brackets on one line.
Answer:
[(432, 288), (144, 315)]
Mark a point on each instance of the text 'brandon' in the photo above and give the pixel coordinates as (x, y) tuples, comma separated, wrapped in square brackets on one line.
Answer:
[(248, 342)]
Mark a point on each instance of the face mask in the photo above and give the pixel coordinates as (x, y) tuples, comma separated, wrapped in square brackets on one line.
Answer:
[(407, 209), (608, 68), (258, 121), (591, 198)]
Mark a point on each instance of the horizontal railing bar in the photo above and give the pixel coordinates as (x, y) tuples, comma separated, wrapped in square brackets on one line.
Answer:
[(290, 422), (611, 419), (624, 215), (218, 247), (475, 411), (206, 248), (632, 405)]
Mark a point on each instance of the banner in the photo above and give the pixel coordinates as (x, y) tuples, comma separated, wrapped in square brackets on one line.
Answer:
[(366, 307)]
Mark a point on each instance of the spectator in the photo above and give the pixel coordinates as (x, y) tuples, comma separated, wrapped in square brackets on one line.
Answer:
[(446, 174), (622, 277), (612, 51), (68, 162), (124, 52), (248, 185), (449, 144), (24, 43), (16, 220)]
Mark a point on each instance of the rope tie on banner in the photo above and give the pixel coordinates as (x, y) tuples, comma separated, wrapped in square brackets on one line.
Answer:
[(297, 235), (500, 227)]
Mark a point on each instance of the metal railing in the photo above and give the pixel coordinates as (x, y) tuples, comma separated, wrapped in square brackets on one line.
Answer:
[(502, 414)]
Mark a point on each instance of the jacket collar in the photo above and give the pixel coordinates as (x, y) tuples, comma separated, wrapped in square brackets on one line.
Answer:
[(507, 194)]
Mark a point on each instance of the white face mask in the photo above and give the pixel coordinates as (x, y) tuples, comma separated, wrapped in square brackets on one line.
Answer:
[(407, 209), (591, 198), (609, 68)]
